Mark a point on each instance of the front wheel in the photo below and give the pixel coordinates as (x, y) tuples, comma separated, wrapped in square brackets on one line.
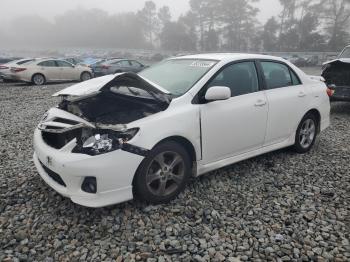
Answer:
[(163, 174), (306, 134), (85, 76)]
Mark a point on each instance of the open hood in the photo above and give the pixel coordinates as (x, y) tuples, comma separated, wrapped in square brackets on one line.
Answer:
[(104, 83)]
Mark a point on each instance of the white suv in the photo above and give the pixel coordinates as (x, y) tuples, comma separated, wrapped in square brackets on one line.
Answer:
[(144, 135)]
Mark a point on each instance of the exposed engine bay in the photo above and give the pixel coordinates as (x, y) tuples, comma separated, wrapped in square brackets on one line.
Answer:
[(123, 100)]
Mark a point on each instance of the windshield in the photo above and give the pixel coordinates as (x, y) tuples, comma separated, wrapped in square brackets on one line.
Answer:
[(345, 53), (178, 75)]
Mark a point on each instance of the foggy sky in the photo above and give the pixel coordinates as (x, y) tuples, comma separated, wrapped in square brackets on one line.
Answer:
[(11, 9)]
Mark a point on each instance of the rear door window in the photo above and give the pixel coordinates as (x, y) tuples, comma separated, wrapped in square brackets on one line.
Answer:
[(278, 75), (49, 63), (63, 64)]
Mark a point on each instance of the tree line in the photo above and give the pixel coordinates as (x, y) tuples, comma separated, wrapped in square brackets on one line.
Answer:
[(221, 25)]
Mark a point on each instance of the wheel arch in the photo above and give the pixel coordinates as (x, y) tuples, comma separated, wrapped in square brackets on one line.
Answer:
[(189, 147), (317, 114)]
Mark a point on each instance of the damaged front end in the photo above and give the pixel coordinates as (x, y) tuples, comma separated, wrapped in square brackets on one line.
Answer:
[(97, 122), (337, 76)]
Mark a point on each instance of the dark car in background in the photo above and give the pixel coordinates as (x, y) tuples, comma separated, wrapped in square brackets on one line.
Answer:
[(337, 75), (115, 66)]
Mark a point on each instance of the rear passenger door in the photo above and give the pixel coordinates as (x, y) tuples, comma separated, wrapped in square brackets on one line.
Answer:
[(50, 70), (287, 99)]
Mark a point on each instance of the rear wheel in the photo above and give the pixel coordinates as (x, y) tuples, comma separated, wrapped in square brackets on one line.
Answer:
[(306, 134), (85, 76), (38, 79), (163, 174)]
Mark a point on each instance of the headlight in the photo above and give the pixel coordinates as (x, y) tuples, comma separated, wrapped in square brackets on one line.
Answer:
[(104, 141), (99, 143)]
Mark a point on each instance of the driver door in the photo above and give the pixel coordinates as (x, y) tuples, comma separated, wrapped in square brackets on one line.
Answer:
[(237, 125)]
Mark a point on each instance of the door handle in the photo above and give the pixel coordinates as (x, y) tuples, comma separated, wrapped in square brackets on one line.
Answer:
[(301, 94), (260, 103)]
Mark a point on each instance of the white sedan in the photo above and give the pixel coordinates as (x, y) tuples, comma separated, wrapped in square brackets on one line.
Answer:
[(5, 69), (144, 135), (41, 71)]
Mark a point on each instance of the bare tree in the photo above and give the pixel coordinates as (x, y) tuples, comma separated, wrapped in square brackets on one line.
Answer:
[(149, 19), (336, 15)]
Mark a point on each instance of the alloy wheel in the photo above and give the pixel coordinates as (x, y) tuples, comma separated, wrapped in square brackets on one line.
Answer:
[(307, 133), (165, 173), (38, 80), (85, 77)]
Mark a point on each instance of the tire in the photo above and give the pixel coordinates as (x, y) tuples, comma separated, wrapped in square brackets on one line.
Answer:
[(156, 182), (306, 134), (85, 76), (118, 72), (38, 79)]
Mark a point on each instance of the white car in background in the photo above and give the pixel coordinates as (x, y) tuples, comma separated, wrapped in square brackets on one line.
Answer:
[(5, 69), (41, 71), (144, 135)]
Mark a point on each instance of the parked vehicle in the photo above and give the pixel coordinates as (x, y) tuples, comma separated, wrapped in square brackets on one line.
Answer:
[(298, 60), (144, 135), (114, 66), (5, 69), (337, 76), (6, 60), (41, 71)]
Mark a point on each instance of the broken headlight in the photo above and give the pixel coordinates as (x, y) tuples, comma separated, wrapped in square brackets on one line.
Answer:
[(99, 142)]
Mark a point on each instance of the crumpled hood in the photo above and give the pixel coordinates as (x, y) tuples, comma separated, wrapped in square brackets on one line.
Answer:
[(98, 84), (339, 60), (87, 87)]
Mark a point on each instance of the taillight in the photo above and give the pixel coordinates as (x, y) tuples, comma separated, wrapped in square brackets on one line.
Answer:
[(18, 69), (105, 67), (3, 67), (330, 91)]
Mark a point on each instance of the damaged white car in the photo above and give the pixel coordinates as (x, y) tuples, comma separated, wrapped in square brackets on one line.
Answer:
[(144, 135)]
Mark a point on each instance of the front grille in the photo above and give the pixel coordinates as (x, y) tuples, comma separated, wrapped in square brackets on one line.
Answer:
[(59, 132), (56, 177), (59, 140)]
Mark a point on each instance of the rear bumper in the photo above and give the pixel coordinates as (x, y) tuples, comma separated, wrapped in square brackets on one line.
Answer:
[(342, 93), (114, 173)]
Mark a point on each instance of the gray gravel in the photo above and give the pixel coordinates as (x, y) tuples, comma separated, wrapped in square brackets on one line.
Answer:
[(280, 206)]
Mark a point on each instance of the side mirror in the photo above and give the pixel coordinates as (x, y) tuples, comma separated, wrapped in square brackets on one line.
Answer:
[(217, 93)]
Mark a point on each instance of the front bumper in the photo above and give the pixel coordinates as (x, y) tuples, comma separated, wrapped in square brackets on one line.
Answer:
[(114, 173)]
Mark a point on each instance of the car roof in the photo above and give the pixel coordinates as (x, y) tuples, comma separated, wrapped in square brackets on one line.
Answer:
[(229, 57)]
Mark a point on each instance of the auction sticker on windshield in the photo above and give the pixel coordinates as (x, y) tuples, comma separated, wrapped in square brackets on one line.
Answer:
[(202, 64)]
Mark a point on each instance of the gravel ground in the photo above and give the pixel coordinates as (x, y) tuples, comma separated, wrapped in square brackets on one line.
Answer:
[(280, 206)]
